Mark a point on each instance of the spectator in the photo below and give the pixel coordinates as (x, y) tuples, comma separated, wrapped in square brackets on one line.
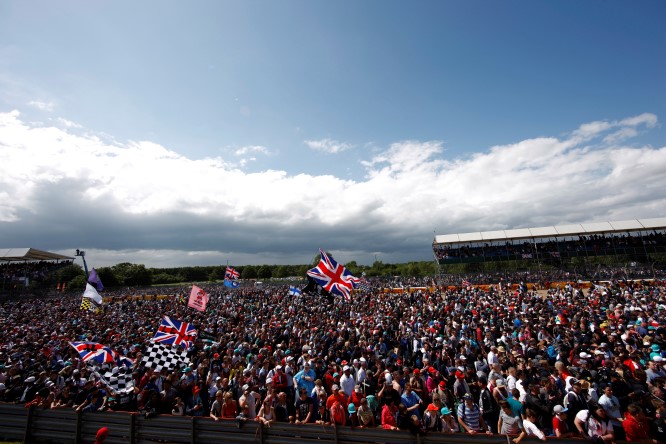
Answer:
[(560, 425), (593, 424), (469, 417), (509, 423)]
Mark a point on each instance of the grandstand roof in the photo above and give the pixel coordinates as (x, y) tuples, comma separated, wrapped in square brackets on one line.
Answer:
[(29, 254), (554, 231)]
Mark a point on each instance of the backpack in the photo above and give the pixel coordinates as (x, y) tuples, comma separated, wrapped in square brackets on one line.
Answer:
[(338, 414)]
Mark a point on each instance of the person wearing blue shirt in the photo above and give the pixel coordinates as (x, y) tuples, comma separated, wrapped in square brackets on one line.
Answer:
[(305, 379), (411, 400)]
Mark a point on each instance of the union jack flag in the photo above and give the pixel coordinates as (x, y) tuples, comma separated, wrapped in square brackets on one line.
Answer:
[(333, 277), (231, 273), (466, 283), (175, 332), (92, 351)]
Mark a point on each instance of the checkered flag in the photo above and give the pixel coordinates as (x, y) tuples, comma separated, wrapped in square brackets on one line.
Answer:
[(159, 356), (118, 379)]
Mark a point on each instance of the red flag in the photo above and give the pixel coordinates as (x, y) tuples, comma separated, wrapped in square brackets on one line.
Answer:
[(198, 299)]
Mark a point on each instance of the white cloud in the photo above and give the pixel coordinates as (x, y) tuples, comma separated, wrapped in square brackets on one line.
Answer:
[(328, 146), (141, 196), (627, 128), (251, 149), (43, 106), (69, 123)]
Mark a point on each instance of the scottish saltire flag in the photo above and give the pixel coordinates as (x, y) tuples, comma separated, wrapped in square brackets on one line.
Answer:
[(95, 280), (92, 294), (293, 291), (333, 277), (231, 283), (175, 332), (92, 351), (198, 299), (231, 273)]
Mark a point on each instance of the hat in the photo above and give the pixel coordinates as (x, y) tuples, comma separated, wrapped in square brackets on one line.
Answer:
[(357, 389), (445, 411), (584, 355), (187, 369), (501, 348), (559, 409), (432, 407), (30, 379), (345, 368), (2, 386), (335, 387), (278, 367), (442, 383), (460, 375), (269, 380), (351, 408), (467, 396), (657, 358), (246, 387), (463, 357), (655, 347)]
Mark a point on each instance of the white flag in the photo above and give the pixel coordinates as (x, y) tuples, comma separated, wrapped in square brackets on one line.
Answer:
[(91, 293)]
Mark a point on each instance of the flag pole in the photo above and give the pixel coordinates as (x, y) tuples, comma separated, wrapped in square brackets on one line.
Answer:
[(82, 254)]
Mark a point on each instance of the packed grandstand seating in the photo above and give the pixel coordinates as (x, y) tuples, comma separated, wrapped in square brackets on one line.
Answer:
[(581, 246)]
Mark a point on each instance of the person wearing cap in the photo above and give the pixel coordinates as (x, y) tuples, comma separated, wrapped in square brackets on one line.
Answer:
[(305, 379), (432, 422), (449, 424), (460, 387), (249, 399), (194, 405), (347, 382), (560, 425), (280, 379), (469, 417)]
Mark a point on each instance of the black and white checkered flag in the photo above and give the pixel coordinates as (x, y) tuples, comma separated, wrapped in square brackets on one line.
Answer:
[(159, 356), (118, 379)]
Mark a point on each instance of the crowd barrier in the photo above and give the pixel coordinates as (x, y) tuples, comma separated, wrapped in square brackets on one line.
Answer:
[(67, 426)]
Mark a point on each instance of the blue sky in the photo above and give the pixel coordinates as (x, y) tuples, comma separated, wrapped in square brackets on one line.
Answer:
[(173, 133)]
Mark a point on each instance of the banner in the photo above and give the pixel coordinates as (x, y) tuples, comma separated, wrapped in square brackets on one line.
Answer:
[(198, 299)]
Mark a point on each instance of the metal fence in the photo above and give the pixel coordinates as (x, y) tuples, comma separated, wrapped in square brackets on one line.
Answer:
[(69, 427)]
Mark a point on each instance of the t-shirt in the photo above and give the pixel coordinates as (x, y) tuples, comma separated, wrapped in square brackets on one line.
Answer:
[(532, 430), (303, 407), (511, 424)]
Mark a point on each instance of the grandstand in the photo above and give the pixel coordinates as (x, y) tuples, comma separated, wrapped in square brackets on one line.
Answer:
[(21, 266), (636, 243)]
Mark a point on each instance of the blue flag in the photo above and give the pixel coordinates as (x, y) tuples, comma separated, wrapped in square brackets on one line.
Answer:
[(293, 291), (231, 284), (95, 280)]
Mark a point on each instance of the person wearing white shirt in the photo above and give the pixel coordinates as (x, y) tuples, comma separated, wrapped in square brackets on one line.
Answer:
[(347, 382)]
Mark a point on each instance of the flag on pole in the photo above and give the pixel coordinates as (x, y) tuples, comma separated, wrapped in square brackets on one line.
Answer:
[(231, 273), (92, 351), (92, 294), (293, 291), (175, 332), (160, 356), (198, 299), (231, 283), (95, 280), (333, 277)]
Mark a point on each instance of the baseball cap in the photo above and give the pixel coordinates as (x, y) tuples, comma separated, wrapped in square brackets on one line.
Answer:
[(559, 409)]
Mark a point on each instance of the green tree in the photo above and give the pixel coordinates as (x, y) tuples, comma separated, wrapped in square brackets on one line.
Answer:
[(217, 274), (281, 271), (264, 272), (249, 272)]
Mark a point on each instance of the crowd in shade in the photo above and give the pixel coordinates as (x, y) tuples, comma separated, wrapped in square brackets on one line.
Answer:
[(575, 362)]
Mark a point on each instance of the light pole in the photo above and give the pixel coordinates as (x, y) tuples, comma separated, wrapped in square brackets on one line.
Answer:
[(82, 254)]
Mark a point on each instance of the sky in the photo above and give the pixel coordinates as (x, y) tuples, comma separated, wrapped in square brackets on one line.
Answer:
[(175, 133)]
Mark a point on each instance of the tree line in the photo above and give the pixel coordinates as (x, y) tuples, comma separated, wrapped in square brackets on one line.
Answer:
[(138, 275)]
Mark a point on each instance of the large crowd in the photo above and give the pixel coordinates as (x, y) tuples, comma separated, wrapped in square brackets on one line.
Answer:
[(505, 360)]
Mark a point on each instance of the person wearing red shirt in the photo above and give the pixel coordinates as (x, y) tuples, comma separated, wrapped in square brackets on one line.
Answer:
[(635, 425), (389, 415)]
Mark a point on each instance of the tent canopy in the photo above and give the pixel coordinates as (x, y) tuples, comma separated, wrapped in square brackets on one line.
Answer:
[(30, 254)]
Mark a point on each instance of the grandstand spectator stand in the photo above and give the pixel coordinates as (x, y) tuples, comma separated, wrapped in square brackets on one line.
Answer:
[(19, 267), (586, 249)]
